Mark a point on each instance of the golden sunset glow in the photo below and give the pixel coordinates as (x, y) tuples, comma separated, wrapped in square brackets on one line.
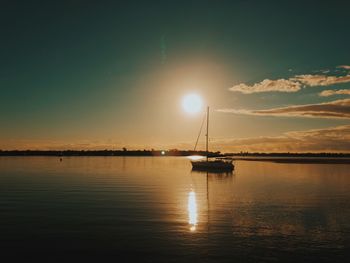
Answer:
[(185, 131)]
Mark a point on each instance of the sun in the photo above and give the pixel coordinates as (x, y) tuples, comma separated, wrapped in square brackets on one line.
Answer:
[(192, 103)]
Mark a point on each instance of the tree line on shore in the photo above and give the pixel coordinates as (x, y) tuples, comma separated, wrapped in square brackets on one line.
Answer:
[(152, 152)]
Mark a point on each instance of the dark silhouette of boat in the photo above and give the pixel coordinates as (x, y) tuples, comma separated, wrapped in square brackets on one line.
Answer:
[(211, 164)]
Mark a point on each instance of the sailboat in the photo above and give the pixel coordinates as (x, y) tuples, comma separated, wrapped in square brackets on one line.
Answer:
[(210, 164)]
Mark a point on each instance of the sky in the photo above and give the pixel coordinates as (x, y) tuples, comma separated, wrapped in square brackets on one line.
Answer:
[(106, 74)]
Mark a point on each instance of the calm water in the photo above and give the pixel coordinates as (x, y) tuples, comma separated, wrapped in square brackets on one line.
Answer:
[(155, 209)]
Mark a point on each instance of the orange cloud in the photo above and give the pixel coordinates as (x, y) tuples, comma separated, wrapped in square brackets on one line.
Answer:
[(347, 67), (293, 84), (333, 109), (267, 85), (327, 93), (334, 139), (320, 80)]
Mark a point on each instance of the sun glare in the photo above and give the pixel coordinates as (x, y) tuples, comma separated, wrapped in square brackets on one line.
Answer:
[(192, 103), (192, 210)]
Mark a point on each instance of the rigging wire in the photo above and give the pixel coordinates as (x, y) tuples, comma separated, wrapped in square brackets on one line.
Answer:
[(199, 134)]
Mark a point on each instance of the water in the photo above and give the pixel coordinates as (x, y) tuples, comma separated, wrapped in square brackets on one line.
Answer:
[(154, 209)]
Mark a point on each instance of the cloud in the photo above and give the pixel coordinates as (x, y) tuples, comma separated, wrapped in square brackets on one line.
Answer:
[(333, 109), (293, 84), (327, 93), (320, 80), (344, 67), (267, 85), (334, 139)]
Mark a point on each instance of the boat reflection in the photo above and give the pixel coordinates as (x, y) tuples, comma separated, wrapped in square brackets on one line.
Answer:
[(192, 204), (214, 174)]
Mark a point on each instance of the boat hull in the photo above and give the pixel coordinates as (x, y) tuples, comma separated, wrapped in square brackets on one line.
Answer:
[(212, 166)]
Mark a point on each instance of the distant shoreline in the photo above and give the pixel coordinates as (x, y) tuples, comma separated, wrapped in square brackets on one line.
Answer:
[(341, 158), (106, 153), (296, 160)]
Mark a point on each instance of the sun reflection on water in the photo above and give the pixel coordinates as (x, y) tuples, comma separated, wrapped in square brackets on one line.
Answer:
[(192, 210)]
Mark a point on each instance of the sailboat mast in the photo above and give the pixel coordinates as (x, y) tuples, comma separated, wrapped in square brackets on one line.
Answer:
[(206, 148)]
